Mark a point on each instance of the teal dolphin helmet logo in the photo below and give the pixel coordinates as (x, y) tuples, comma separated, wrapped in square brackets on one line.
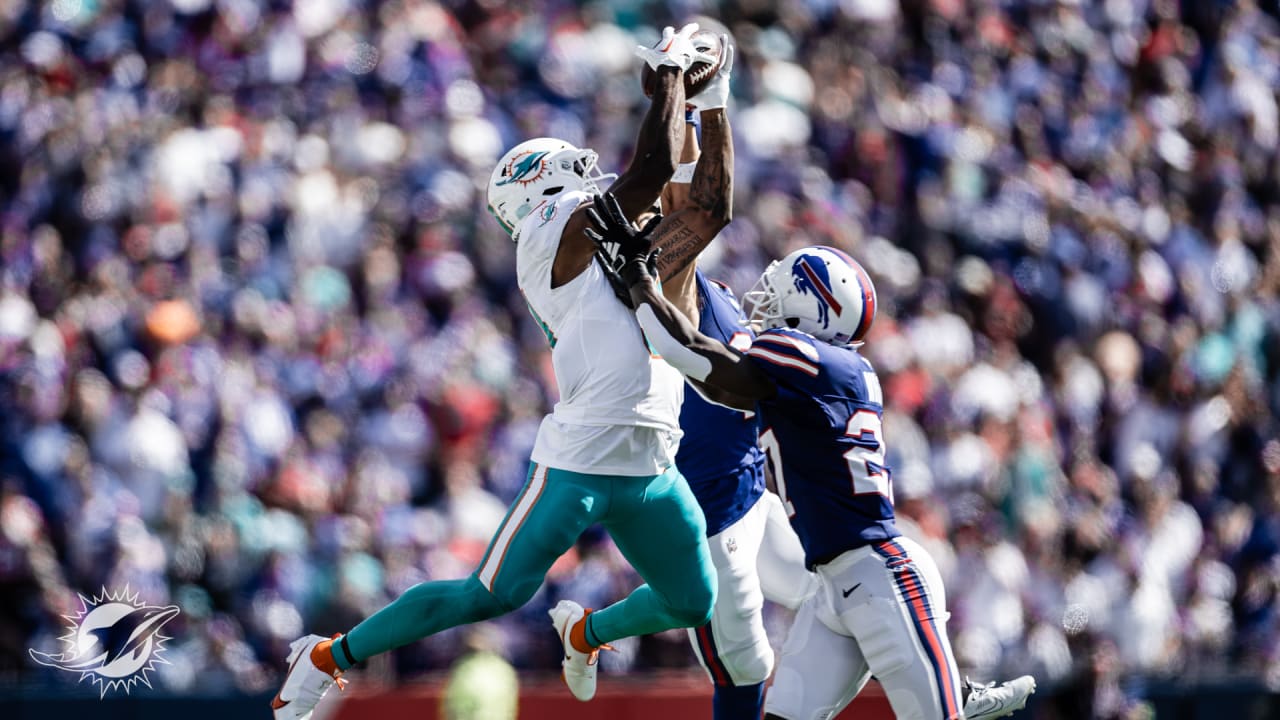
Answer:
[(535, 173), (523, 167)]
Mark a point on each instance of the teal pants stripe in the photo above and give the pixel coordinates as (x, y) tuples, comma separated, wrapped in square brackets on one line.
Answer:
[(655, 522)]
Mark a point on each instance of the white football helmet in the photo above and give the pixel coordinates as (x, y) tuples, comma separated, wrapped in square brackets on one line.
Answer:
[(537, 170), (818, 290)]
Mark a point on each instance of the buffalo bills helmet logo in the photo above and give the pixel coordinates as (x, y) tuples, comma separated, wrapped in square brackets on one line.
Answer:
[(810, 275)]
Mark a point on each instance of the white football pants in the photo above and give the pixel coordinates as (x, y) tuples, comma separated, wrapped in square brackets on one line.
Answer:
[(879, 610), (757, 557)]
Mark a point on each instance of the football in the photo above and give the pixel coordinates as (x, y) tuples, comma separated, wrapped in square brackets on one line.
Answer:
[(699, 74)]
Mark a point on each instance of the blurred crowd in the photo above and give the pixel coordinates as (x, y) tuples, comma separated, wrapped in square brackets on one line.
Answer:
[(262, 354)]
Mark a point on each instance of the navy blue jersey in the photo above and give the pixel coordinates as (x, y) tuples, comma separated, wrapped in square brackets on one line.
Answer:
[(824, 428), (718, 454)]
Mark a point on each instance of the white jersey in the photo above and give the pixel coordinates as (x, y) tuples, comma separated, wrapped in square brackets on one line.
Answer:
[(619, 405)]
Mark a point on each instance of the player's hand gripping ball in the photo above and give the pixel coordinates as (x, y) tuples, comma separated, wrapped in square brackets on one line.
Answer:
[(710, 57)]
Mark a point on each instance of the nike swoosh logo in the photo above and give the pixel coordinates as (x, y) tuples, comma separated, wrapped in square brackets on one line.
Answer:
[(855, 587), (277, 702), (984, 705)]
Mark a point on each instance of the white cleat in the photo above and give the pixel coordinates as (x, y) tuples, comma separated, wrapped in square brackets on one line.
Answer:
[(994, 701), (305, 683), (578, 668)]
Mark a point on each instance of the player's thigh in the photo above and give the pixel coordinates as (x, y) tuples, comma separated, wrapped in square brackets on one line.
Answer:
[(548, 515), (897, 613), (733, 646), (819, 671), (658, 526), (780, 560)]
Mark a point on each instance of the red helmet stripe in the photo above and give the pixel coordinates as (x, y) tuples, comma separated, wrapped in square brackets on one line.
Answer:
[(868, 292), (868, 301), (839, 252)]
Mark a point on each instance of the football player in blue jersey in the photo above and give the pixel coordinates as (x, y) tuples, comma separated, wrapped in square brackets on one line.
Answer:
[(880, 608), (755, 552)]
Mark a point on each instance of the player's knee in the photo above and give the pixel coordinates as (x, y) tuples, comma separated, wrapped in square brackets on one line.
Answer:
[(694, 608), (907, 705), (750, 665), (503, 598)]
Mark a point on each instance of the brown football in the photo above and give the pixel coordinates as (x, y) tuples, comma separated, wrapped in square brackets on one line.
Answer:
[(699, 74)]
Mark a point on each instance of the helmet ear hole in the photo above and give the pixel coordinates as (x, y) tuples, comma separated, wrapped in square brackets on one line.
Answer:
[(553, 191), (792, 322)]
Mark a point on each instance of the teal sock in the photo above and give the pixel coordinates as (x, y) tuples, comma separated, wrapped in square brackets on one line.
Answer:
[(341, 653), (590, 634), (424, 609)]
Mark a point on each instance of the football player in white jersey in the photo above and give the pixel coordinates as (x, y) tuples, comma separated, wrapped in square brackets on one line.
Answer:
[(605, 453)]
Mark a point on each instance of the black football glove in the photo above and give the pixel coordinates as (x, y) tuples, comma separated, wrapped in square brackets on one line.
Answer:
[(622, 250)]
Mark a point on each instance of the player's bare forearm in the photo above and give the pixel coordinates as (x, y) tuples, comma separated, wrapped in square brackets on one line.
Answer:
[(660, 140), (681, 288), (675, 196), (712, 187), (710, 203), (658, 145), (699, 357), (722, 397)]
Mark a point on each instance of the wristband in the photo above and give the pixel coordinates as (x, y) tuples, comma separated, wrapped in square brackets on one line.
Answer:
[(684, 172)]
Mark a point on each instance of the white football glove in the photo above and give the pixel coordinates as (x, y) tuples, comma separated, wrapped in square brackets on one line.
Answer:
[(716, 94), (675, 48)]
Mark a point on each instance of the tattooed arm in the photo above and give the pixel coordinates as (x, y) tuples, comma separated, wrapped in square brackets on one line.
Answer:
[(684, 233), (657, 148), (681, 288)]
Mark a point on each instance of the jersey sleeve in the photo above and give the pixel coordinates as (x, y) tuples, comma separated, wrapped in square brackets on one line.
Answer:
[(537, 235), (537, 238), (787, 356)]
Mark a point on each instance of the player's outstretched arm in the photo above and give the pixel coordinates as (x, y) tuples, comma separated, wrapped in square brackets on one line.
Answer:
[(658, 145), (720, 372), (709, 208), (681, 288), (654, 162), (662, 133), (687, 232)]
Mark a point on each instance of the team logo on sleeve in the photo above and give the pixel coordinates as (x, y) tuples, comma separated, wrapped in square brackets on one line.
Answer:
[(524, 169), (810, 275)]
